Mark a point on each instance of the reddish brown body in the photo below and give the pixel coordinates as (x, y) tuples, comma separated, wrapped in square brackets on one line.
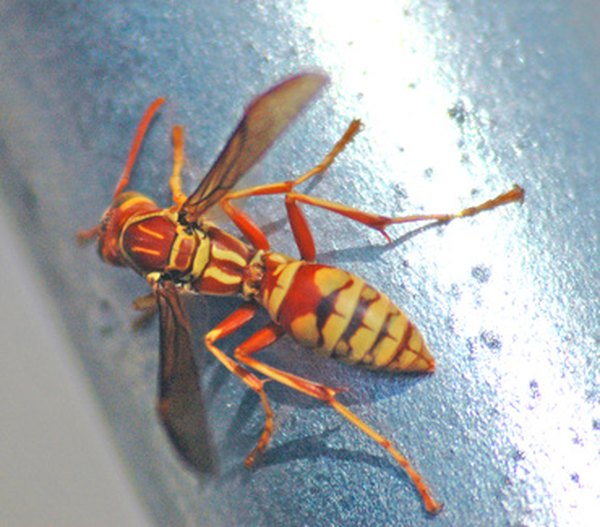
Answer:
[(329, 310), (322, 307)]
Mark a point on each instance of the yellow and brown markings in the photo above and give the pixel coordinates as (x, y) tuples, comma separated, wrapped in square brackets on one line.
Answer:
[(284, 275), (147, 241), (110, 240), (226, 261), (201, 256), (183, 252), (364, 326), (278, 275), (340, 315), (399, 346)]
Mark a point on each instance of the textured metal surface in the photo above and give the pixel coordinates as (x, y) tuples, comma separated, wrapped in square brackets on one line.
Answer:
[(459, 99)]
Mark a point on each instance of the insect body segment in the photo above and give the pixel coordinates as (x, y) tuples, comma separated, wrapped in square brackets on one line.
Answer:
[(227, 264), (326, 309), (209, 260), (339, 315), (126, 206), (155, 242)]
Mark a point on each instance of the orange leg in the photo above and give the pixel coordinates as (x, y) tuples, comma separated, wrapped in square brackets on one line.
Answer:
[(178, 138), (269, 334), (299, 224), (256, 342), (179, 197), (304, 238), (148, 306), (147, 303), (137, 143), (231, 324), (379, 222), (246, 225)]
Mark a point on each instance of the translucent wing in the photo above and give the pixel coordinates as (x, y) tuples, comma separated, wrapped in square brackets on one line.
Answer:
[(180, 403), (263, 121)]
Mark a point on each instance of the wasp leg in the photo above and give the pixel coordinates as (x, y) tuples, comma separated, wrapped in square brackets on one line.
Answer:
[(231, 324), (260, 340), (351, 131), (379, 222), (304, 238), (148, 307), (178, 137), (299, 224), (137, 143), (253, 233), (271, 332), (246, 225)]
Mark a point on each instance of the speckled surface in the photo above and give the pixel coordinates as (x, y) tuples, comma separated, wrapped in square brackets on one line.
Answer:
[(459, 101)]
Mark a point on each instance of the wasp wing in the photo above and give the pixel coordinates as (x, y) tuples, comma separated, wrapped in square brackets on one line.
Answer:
[(180, 403), (263, 121)]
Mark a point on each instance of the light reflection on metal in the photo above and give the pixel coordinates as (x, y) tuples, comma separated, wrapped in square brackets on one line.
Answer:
[(413, 141), (402, 102)]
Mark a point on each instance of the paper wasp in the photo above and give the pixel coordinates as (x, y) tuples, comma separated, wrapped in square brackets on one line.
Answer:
[(324, 308)]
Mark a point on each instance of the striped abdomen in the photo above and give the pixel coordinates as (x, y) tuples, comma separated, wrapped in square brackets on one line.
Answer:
[(340, 315)]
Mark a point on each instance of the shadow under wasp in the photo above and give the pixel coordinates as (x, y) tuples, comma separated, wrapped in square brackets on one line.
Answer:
[(324, 308)]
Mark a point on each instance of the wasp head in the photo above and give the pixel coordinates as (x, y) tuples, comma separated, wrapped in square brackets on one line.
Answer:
[(114, 220)]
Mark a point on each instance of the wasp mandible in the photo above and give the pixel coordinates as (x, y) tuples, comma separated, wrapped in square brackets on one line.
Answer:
[(331, 311)]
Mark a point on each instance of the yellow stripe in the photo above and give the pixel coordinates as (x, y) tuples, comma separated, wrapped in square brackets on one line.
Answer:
[(182, 236), (330, 279), (304, 329), (138, 249), (228, 256), (397, 326), (416, 342), (384, 352), (406, 359), (286, 274), (224, 278), (361, 343), (201, 257), (150, 232), (344, 307), (133, 201), (388, 346)]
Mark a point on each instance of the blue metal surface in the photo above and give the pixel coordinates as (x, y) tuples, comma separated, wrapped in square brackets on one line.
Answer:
[(460, 100)]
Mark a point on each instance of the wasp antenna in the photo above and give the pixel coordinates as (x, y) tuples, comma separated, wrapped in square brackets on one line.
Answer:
[(88, 235), (137, 143)]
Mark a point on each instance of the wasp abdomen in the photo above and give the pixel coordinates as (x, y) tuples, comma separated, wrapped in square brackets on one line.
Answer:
[(339, 315)]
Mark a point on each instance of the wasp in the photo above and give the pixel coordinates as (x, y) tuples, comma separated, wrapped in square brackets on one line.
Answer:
[(329, 310)]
